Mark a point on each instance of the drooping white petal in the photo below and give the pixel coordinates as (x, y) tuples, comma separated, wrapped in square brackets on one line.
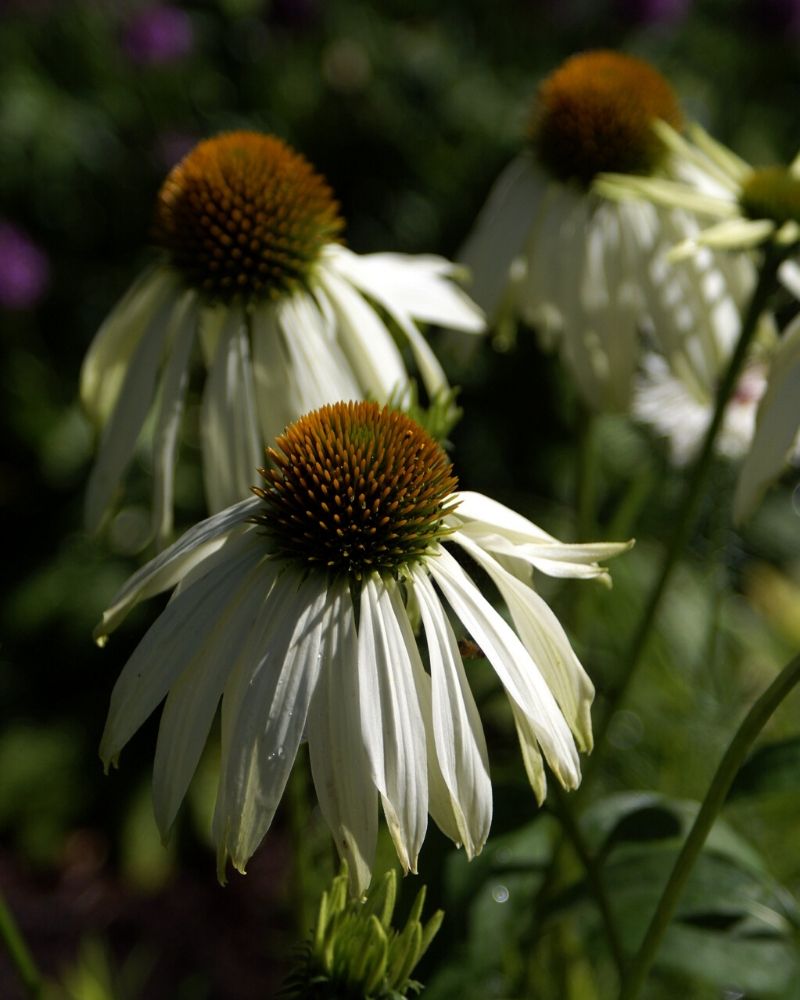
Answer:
[(317, 363), (264, 711), (175, 562), (231, 438), (192, 700), (513, 664), (106, 362), (777, 426), (725, 158), (671, 194), (415, 286), (545, 639), (440, 803), (169, 646), (366, 342), (173, 392), (391, 721), (458, 735), (731, 234), (501, 530), (501, 231), (531, 754), (340, 764), (277, 394), (120, 434)]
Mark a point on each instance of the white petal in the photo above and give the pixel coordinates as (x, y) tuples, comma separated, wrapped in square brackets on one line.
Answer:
[(120, 434), (168, 647), (671, 194), (264, 712), (501, 230), (531, 755), (169, 566), (173, 390), (545, 639), (277, 395), (499, 529), (318, 365), (731, 234), (777, 425), (513, 664), (340, 764), (106, 361), (192, 700), (458, 735), (231, 437), (366, 342), (419, 287), (391, 721)]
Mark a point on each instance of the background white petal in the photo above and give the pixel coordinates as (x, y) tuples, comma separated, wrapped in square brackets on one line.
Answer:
[(231, 436)]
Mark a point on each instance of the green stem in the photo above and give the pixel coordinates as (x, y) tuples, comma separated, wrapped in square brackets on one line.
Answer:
[(745, 736), (21, 958), (594, 875), (687, 513)]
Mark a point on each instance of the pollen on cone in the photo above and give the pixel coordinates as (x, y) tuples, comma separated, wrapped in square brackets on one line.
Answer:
[(595, 113), (244, 214)]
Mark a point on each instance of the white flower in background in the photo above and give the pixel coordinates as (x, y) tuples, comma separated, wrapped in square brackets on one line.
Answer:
[(749, 206), (294, 608), (776, 437), (590, 273), (681, 411), (287, 320)]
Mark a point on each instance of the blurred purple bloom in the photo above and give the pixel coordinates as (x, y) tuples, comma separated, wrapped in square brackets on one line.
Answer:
[(24, 269), (158, 35), (653, 11)]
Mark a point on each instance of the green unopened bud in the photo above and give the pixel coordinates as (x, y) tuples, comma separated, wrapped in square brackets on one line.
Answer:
[(354, 951)]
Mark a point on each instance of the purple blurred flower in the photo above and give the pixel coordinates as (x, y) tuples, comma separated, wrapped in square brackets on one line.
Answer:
[(653, 11), (158, 35), (24, 269)]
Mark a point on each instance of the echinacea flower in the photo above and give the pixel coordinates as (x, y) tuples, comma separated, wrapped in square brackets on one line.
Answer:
[(587, 272), (681, 410), (748, 206), (295, 609), (286, 317), (24, 269)]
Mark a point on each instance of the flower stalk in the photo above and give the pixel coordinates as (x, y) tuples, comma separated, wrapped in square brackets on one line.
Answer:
[(740, 745), (18, 952)]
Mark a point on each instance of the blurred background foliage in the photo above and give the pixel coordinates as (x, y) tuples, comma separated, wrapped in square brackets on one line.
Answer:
[(410, 108)]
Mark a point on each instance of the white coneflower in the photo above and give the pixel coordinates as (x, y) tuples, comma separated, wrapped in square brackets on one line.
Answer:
[(584, 270), (292, 608), (681, 410), (751, 206), (287, 318)]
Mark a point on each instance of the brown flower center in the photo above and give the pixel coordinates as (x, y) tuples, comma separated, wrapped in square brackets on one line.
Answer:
[(595, 113), (355, 488), (244, 214)]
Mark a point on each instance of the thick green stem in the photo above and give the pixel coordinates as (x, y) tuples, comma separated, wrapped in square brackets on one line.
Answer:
[(754, 722), (687, 513), (21, 958)]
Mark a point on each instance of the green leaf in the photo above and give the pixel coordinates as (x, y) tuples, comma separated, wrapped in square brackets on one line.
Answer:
[(771, 769)]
